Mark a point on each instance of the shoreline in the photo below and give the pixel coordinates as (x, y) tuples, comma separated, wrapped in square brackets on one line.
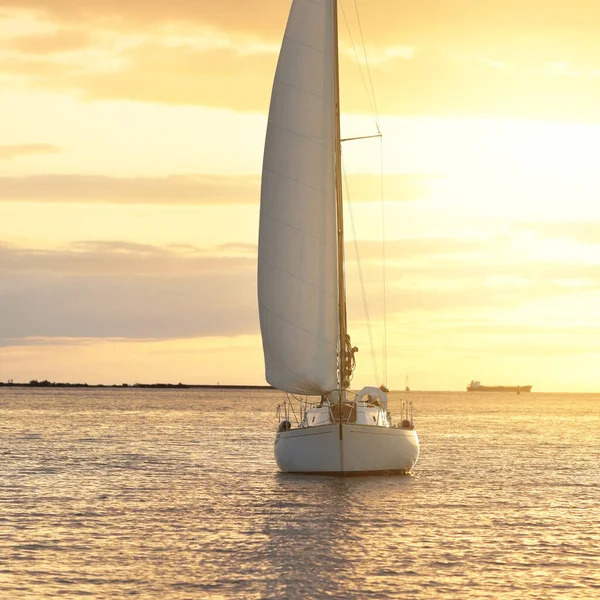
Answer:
[(176, 386)]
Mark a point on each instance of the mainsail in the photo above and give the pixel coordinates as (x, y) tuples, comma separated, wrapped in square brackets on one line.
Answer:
[(297, 255)]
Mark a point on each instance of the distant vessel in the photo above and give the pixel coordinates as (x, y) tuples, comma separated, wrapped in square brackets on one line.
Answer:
[(475, 386)]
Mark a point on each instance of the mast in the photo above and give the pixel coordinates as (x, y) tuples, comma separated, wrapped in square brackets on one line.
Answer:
[(339, 208)]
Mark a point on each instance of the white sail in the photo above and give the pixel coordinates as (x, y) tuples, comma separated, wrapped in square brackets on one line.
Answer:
[(297, 256)]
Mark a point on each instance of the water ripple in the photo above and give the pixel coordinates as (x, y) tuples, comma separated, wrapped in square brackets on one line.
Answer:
[(167, 494)]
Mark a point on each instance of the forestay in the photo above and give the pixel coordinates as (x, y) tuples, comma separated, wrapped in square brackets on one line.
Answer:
[(297, 256)]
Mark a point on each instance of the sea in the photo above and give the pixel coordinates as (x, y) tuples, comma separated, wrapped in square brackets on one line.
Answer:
[(175, 494)]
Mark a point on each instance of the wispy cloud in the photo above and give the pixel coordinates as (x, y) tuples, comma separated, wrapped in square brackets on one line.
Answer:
[(189, 75), (62, 40), (416, 248), (176, 189), (101, 258), (122, 289), (588, 233), (191, 189), (447, 19), (55, 341), (508, 61), (265, 16), (19, 150), (127, 291)]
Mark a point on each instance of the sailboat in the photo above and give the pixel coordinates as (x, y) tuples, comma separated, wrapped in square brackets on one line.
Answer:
[(301, 279)]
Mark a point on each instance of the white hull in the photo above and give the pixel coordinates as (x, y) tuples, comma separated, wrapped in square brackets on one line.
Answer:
[(362, 449)]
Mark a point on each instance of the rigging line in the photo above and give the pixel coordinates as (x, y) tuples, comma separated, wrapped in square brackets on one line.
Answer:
[(362, 39), (370, 93), (361, 137), (360, 274), (384, 358)]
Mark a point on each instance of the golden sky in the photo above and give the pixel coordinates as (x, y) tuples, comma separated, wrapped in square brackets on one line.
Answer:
[(131, 138)]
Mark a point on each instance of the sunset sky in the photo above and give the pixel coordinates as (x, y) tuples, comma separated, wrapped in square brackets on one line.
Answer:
[(131, 140)]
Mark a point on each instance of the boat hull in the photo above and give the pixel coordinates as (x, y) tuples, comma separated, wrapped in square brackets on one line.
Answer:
[(363, 449)]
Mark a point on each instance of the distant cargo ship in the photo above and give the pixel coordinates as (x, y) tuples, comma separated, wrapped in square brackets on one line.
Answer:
[(475, 386)]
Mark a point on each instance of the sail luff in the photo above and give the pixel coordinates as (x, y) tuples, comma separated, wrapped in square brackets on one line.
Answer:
[(342, 318)]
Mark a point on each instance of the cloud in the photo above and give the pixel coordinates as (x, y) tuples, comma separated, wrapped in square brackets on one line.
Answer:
[(469, 294), (444, 274), (264, 16), (489, 267), (140, 307), (416, 248), (19, 150), (176, 189), (38, 342), (190, 189), (428, 58), (392, 19), (406, 187), (140, 291), (431, 82), (103, 289), (587, 233), (62, 40), (157, 72), (126, 259)]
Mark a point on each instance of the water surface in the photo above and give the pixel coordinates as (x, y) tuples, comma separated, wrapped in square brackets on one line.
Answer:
[(175, 494)]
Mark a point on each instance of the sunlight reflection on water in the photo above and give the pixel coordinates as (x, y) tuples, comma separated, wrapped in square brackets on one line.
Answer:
[(175, 494)]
